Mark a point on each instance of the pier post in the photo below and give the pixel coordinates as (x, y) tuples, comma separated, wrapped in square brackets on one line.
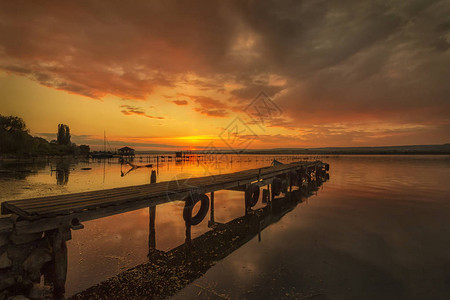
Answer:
[(265, 195), (58, 265), (157, 164), (246, 208), (269, 188), (211, 212), (153, 177), (291, 179)]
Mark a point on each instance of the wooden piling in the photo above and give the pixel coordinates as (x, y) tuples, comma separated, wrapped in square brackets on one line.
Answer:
[(211, 212)]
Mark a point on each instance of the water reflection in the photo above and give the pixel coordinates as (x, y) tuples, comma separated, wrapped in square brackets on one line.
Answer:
[(152, 231), (169, 271), (20, 170), (388, 212), (62, 171)]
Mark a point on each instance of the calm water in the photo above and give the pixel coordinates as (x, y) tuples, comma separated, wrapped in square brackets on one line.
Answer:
[(379, 228)]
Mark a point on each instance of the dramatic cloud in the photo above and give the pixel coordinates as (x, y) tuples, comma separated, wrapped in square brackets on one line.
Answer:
[(327, 64)]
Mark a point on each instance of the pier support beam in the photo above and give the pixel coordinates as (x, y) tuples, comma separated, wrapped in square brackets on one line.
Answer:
[(211, 222), (56, 270)]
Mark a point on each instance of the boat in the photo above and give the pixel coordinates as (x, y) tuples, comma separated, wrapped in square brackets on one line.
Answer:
[(104, 153)]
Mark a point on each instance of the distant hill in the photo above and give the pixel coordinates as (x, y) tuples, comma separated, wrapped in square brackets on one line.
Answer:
[(411, 149)]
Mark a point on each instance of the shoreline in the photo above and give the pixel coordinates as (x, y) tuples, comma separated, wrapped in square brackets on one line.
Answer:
[(26, 158)]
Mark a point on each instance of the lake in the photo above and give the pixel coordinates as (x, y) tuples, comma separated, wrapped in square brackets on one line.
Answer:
[(378, 228)]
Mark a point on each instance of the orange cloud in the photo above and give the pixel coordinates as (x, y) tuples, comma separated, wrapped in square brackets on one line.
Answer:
[(220, 113), (180, 102), (132, 110)]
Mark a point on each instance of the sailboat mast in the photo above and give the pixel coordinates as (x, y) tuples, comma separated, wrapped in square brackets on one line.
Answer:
[(104, 141)]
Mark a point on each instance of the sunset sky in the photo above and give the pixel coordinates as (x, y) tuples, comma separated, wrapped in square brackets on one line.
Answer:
[(184, 74)]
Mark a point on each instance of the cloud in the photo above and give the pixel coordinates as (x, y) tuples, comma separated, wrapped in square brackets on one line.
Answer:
[(219, 113), (180, 102), (133, 110), (323, 62), (210, 107)]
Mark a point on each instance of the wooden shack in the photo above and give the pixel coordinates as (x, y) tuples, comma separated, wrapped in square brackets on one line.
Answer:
[(126, 151)]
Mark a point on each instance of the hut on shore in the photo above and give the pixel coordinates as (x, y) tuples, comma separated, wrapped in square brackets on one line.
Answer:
[(126, 151)]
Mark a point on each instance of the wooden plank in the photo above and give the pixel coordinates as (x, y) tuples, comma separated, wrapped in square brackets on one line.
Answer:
[(90, 204), (8, 208), (44, 224), (106, 194)]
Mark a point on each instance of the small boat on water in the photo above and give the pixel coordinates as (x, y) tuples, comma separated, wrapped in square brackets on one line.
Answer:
[(104, 153)]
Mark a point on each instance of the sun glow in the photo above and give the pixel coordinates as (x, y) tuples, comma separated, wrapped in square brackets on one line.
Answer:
[(194, 139)]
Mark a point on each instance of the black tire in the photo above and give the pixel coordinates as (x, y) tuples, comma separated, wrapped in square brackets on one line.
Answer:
[(276, 186), (251, 195), (189, 206)]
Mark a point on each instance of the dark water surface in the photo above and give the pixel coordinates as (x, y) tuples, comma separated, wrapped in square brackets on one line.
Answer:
[(378, 229)]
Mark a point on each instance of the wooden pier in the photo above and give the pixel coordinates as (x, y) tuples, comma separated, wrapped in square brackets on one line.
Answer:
[(40, 214), (33, 239)]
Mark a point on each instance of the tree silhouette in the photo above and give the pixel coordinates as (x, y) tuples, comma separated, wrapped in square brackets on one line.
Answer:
[(63, 135), (12, 123), (16, 140)]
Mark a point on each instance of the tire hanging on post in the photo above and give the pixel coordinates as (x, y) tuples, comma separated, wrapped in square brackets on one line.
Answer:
[(189, 206), (251, 195)]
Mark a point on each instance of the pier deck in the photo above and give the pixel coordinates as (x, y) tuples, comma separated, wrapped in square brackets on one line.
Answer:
[(96, 204)]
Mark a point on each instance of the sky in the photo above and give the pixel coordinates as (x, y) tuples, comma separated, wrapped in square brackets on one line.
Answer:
[(166, 75)]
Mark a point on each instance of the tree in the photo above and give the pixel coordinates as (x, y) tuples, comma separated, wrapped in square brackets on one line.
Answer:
[(63, 135), (12, 123), (16, 140), (14, 135), (84, 149)]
